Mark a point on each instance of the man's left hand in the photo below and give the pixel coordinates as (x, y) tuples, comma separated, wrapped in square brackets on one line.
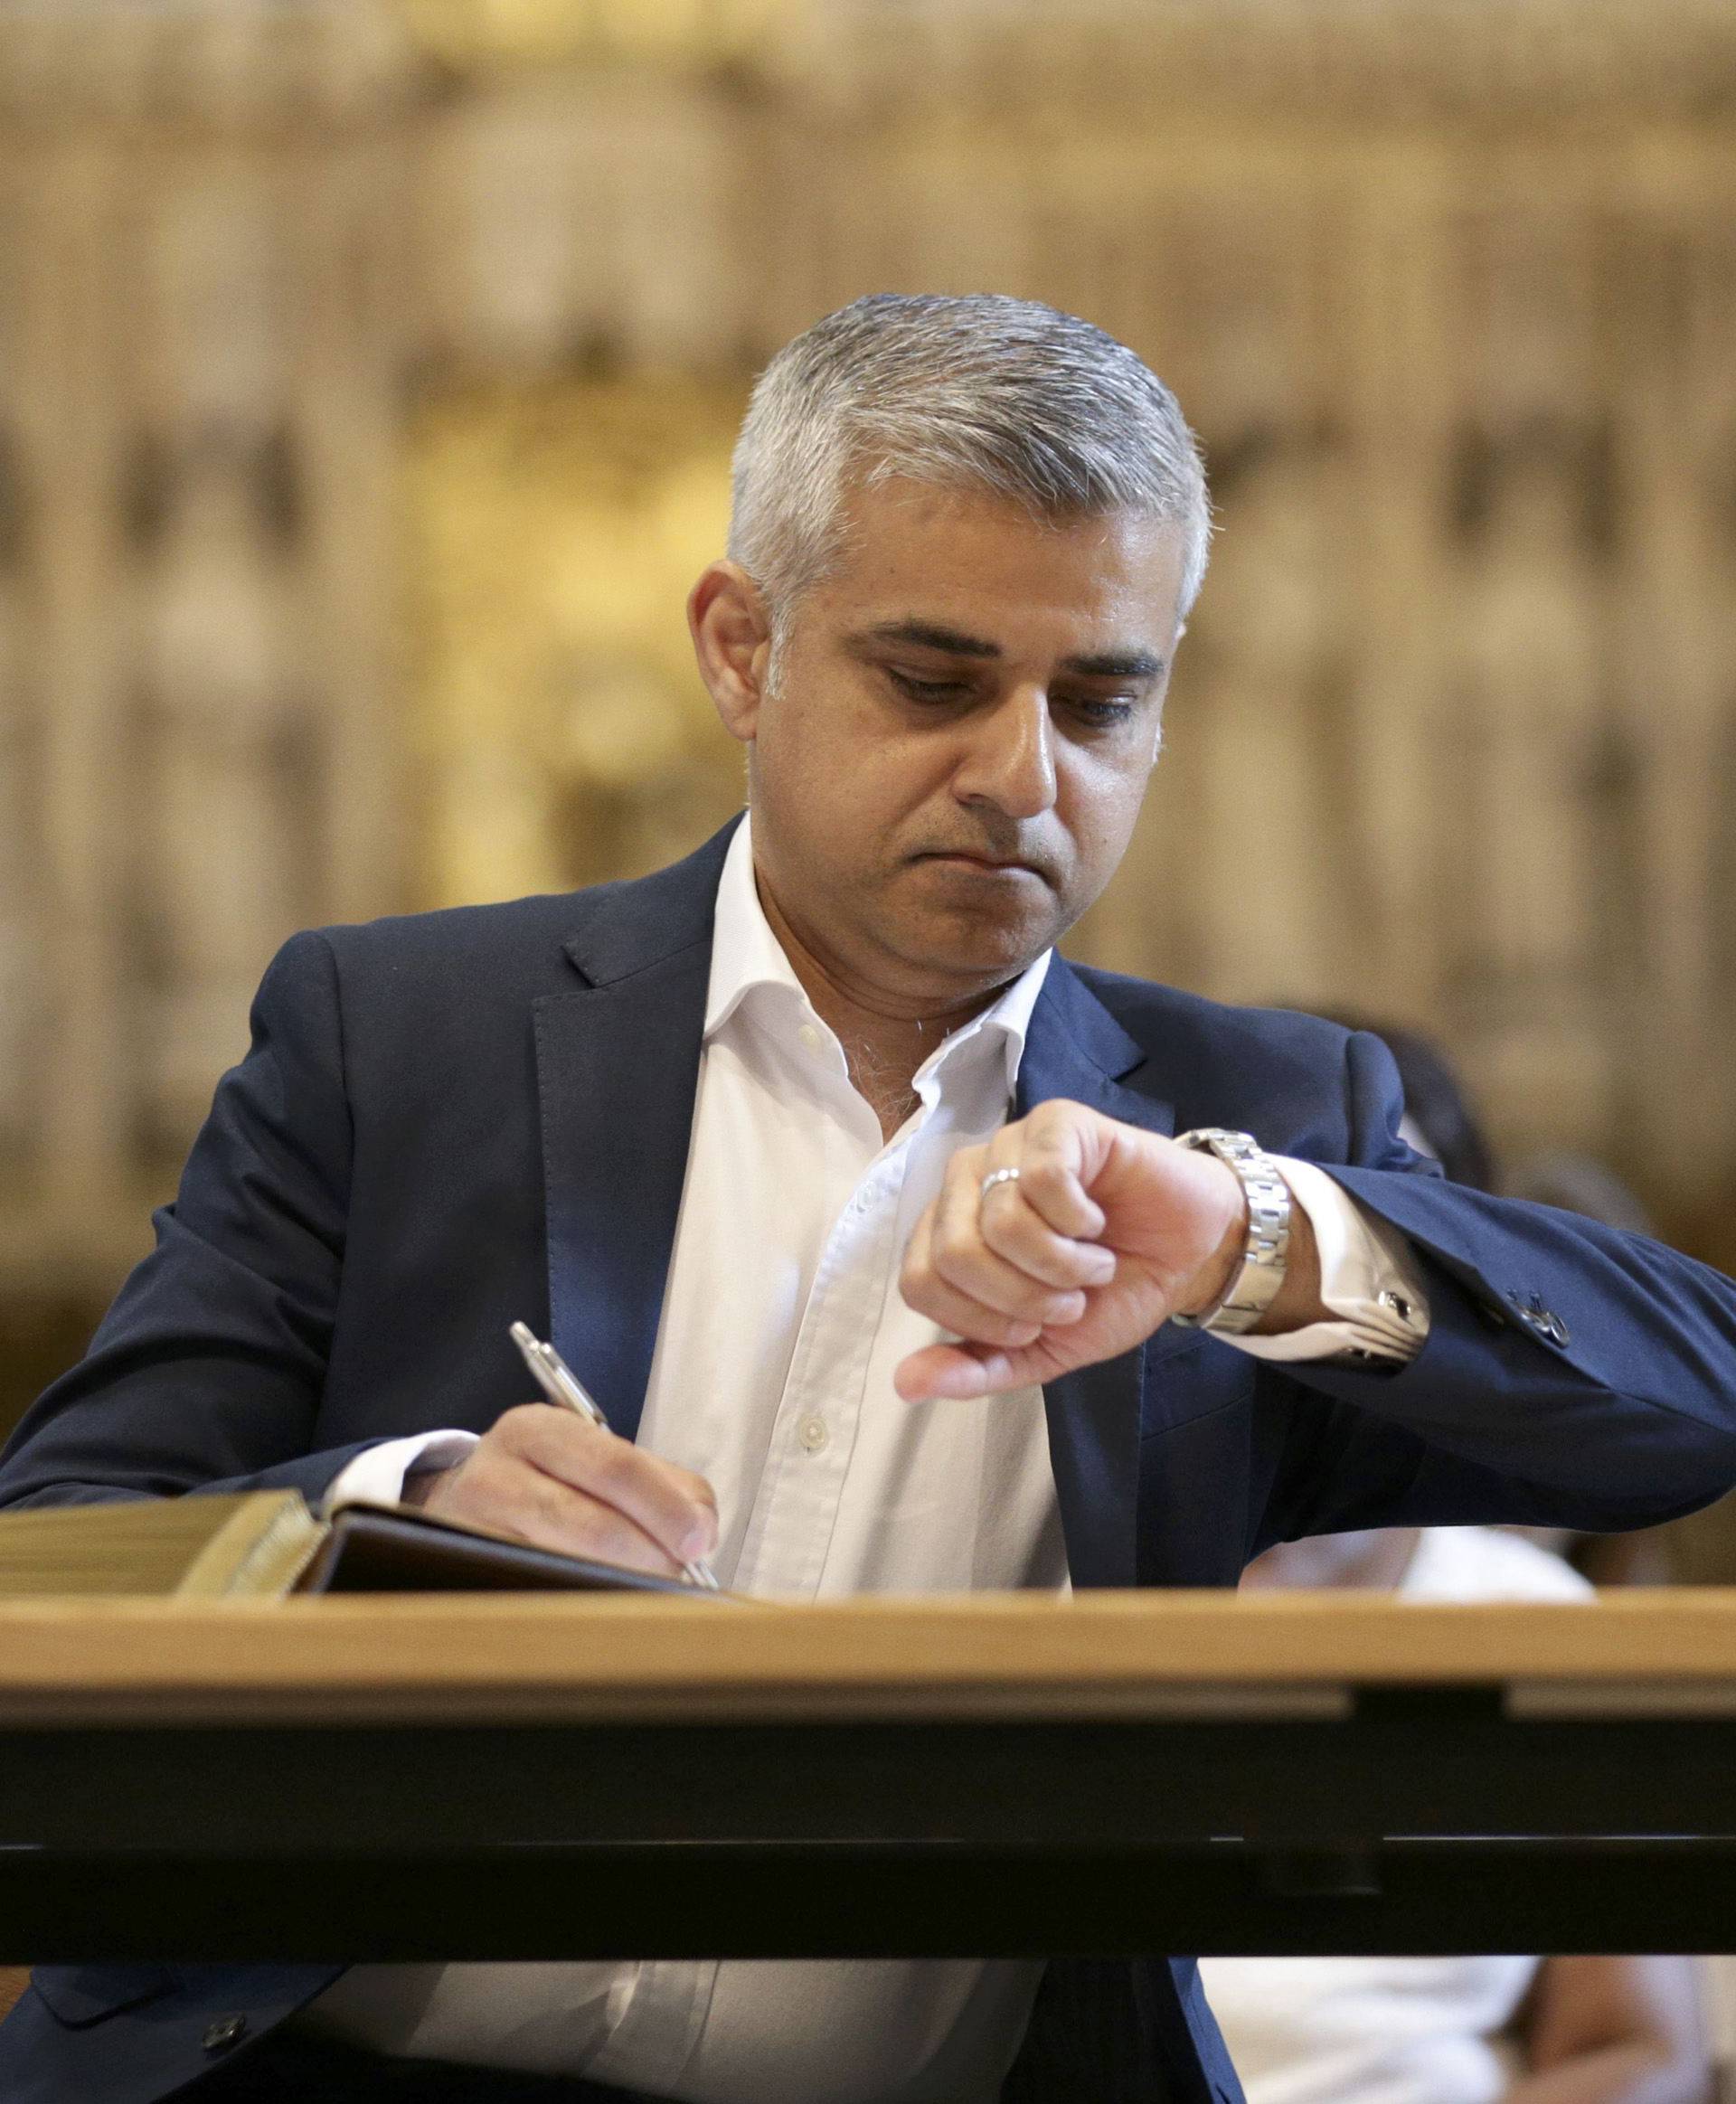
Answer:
[(1105, 1233)]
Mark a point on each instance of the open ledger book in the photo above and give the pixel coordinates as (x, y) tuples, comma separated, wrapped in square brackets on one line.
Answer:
[(267, 1543)]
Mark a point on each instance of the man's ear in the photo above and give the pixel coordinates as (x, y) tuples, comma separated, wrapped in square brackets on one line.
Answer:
[(730, 625)]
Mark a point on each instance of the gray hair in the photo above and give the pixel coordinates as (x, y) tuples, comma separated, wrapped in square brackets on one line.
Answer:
[(985, 393)]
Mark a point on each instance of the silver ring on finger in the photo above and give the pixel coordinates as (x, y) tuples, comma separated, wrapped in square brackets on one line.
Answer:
[(994, 1178)]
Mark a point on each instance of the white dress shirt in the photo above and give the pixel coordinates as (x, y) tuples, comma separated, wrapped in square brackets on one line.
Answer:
[(781, 1326)]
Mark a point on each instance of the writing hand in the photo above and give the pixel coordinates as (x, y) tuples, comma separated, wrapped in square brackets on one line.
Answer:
[(546, 1477)]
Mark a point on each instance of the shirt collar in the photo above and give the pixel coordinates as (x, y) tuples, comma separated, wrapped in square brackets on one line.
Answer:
[(748, 963)]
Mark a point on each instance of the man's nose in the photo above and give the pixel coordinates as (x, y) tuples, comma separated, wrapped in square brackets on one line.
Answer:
[(1011, 759)]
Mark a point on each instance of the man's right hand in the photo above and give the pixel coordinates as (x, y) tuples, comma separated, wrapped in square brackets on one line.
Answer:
[(545, 1476)]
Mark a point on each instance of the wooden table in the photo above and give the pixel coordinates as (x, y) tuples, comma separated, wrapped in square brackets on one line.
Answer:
[(564, 1776)]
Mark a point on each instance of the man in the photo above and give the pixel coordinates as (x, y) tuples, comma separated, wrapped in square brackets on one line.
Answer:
[(858, 1211)]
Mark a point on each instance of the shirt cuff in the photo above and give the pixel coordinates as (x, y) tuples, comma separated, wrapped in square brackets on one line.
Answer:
[(376, 1476), (1369, 1279)]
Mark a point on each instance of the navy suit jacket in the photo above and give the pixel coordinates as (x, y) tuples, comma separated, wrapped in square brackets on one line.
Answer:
[(454, 1121)]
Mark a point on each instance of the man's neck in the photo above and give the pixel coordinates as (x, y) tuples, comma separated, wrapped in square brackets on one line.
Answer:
[(885, 1038)]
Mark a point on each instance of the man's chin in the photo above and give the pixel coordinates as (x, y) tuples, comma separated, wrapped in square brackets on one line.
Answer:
[(978, 946), (966, 926)]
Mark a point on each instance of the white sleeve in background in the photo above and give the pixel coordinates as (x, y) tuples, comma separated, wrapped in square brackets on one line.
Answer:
[(376, 1476), (1369, 1277)]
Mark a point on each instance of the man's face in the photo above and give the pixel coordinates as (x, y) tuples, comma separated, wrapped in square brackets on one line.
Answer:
[(950, 765)]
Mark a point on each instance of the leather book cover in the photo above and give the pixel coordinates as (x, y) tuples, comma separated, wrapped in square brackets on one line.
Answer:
[(392, 1549)]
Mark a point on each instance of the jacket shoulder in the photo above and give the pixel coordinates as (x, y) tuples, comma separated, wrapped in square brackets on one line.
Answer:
[(537, 944), (1157, 1016), (501, 931), (1301, 1084)]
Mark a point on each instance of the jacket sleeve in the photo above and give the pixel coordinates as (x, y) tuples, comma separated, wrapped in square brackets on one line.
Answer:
[(207, 1372), (1573, 1374)]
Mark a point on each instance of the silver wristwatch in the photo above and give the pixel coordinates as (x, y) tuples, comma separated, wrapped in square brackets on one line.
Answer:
[(1254, 1288)]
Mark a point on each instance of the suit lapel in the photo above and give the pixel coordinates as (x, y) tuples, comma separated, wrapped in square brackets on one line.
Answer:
[(1076, 1050), (617, 1071)]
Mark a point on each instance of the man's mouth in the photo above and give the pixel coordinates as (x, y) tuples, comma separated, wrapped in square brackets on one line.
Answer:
[(979, 859)]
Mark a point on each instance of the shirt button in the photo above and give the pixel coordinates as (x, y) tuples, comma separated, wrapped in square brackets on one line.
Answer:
[(812, 1433), (809, 1036)]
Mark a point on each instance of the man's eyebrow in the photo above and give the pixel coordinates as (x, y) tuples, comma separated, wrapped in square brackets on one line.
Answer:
[(1115, 664), (1128, 665), (927, 635)]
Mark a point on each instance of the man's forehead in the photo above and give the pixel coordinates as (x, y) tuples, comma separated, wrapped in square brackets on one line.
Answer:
[(981, 567)]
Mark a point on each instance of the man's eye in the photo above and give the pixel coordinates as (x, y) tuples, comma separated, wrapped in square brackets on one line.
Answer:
[(1101, 715), (929, 690)]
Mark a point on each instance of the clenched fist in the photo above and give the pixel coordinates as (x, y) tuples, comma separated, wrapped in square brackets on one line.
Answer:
[(1106, 1233)]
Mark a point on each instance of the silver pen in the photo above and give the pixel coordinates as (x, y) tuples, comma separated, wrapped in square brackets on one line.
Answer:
[(563, 1388)]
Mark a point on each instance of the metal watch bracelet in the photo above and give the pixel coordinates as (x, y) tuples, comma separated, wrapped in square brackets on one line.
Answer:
[(1265, 1253)]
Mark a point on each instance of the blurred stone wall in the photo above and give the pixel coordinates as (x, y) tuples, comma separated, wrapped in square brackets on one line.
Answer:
[(207, 317), (367, 379)]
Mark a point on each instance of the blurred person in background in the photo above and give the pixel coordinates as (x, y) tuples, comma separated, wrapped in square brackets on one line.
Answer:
[(1454, 2030), (1587, 2030)]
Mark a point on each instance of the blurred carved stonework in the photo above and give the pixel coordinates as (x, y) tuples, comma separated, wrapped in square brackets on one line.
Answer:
[(681, 34), (206, 324), (367, 378), (565, 734)]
